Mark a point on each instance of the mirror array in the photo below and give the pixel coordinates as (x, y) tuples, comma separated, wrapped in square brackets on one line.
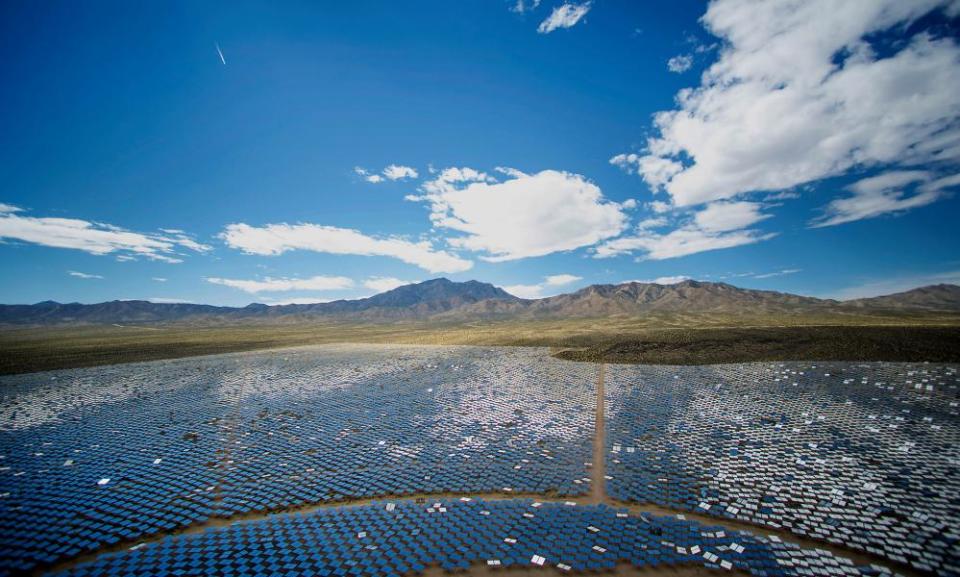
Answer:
[(861, 455), (392, 539), (95, 457)]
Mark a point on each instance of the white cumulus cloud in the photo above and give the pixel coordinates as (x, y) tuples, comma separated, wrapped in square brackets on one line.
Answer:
[(656, 171), (724, 216), (800, 93), (543, 289), (449, 178), (275, 239), (398, 172), (564, 16), (561, 279), (94, 237), (525, 291), (526, 215), (325, 283)]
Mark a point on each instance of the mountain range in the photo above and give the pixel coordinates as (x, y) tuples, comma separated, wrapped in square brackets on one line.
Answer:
[(444, 300)]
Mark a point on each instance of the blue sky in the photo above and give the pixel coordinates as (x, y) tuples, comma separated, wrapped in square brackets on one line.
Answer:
[(338, 149)]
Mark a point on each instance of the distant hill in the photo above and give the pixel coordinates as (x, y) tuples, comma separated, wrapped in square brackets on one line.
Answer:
[(409, 301), (113, 312), (445, 300), (938, 297)]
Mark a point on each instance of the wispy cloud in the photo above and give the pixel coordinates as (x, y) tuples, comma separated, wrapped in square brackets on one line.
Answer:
[(664, 280), (159, 279), (755, 275), (391, 172), (564, 16), (299, 301), (384, 283), (782, 195), (326, 283), (84, 275), (275, 239), (220, 54), (366, 175), (884, 194), (680, 63), (783, 272), (522, 6), (169, 300), (95, 238), (717, 226)]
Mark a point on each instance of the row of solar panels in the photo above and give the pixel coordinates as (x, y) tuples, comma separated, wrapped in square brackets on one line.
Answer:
[(409, 537)]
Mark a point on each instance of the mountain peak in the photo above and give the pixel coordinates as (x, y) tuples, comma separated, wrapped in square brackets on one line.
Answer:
[(438, 290)]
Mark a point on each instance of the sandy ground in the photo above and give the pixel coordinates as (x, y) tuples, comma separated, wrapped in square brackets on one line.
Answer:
[(482, 570), (649, 339)]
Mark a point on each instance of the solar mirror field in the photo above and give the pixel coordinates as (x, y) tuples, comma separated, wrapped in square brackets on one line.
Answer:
[(350, 460)]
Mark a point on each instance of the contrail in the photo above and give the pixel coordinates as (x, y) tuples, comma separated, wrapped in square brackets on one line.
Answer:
[(220, 52)]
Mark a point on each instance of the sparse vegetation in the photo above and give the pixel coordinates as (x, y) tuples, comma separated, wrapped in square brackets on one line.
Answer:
[(829, 343), (663, 338)]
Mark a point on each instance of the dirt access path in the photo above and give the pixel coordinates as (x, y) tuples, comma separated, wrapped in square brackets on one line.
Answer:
[(598, 466)]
